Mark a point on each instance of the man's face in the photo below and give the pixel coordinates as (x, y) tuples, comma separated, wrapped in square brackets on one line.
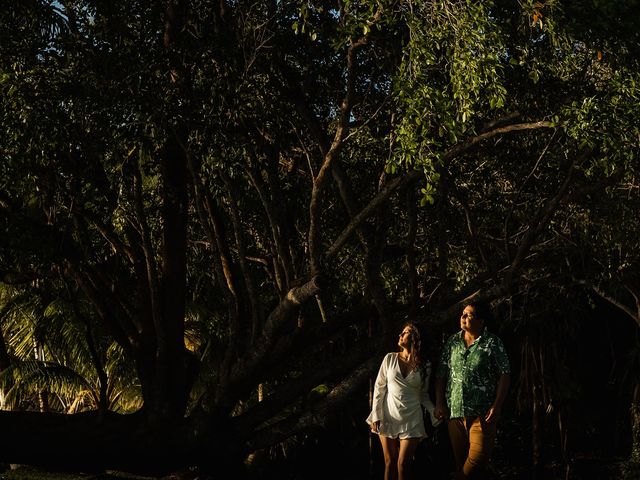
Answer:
[(469, 322)]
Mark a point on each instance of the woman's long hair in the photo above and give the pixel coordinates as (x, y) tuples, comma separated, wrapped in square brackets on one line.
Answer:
[(416, 359)]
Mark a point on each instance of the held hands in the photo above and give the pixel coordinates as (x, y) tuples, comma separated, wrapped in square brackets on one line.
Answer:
[(440, 411)]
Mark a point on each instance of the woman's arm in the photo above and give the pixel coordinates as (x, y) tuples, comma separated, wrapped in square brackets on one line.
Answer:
[(379, 394)]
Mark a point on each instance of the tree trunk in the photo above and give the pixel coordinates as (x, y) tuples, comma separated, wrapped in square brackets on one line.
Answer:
[(171, 362)]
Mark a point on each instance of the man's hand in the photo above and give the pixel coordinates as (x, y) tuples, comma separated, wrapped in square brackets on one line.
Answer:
[(494, 412), (492, 415)]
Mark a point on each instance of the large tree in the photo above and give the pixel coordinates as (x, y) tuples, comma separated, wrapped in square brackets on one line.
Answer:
[(285, 178)]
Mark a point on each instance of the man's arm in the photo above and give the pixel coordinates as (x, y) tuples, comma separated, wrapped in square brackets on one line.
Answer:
[(442, 374), (503, 386)]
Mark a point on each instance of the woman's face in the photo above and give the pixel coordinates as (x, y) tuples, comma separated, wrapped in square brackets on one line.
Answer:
[(469, 322), (404, 340)]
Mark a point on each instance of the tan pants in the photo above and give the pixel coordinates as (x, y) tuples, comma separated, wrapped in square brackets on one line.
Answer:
[(472, 440)]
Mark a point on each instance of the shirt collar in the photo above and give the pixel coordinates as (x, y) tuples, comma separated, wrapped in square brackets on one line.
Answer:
[(477, 340)]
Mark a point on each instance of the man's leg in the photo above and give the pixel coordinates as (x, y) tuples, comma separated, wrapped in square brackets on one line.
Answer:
[(482, 437), (459, 437)]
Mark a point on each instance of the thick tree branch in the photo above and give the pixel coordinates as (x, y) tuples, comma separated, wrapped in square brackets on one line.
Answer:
[(280, 251), (256, 311), (316, 415), (298, 350), (149, 259), (329, 157), (293, 91), (279, 317)]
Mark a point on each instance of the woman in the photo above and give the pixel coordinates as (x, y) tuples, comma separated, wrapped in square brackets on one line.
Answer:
[(400, 395)]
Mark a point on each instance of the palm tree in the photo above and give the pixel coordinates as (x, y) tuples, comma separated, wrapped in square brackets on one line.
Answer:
[(58, 360)]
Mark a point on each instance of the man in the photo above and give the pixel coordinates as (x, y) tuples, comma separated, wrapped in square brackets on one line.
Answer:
[(473, 377)]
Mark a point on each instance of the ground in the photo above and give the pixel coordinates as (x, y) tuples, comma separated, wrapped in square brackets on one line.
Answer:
[(31, 473)]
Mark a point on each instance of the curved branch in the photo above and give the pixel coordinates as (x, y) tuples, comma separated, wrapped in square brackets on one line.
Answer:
[(281, 314), (602, 294), (413, 176), (370, 208), (337, 143), (471, 142)]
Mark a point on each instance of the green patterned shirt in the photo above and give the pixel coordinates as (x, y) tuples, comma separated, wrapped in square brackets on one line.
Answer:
[(472, 373)]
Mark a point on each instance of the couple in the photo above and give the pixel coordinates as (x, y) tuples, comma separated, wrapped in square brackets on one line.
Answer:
[(474, 373)]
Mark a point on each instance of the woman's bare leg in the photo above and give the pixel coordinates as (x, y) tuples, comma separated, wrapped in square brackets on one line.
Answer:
[(405, 457), (390, 451)]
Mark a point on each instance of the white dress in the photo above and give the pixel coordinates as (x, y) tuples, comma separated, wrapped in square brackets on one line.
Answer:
[(399, 401)]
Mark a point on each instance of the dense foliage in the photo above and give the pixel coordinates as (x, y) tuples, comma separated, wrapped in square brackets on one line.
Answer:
[(214, 214)]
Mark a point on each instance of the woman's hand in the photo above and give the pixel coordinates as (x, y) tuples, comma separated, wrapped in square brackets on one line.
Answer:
[(375, 426), (440, 411)]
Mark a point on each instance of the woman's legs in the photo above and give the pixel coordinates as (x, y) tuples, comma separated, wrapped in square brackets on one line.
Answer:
[(405, 457), (390, 451)]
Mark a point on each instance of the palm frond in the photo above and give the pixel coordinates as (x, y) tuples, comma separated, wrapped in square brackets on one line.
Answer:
[(65, 338), (126, 400), (26, 378), (124, 391)]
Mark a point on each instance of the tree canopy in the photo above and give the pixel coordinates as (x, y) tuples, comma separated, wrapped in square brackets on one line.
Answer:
[(214, 214)]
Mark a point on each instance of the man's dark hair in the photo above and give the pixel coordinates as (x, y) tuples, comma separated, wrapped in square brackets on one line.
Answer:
[(482, 310)]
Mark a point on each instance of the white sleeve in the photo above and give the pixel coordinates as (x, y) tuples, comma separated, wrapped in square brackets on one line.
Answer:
[(379, 393)]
